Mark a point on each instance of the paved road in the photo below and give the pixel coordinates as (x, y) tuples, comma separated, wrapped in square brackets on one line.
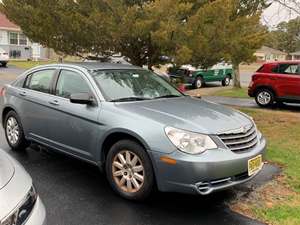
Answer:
[(11, 70)]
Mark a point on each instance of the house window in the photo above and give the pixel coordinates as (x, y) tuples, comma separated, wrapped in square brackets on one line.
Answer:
[(13, 38), (15, 54), (22, 39)]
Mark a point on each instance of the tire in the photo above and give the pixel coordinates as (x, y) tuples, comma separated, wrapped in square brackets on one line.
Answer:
[(264, 97), (120, 174), (226, 81), (199, 83), (14, 132)]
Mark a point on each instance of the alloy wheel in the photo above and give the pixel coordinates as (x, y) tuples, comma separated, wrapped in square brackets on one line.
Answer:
[(264, 98), (12, 130), (128, 171)]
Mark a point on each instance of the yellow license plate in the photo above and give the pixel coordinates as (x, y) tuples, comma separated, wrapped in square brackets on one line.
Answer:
[(254, 165)]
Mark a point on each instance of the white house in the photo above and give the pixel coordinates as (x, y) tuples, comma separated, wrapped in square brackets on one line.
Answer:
[(14, 42), (295, 55), (266, 54)]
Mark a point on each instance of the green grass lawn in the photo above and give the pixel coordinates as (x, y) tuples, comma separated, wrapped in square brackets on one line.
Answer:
[(234, 93), (28, 64), (280, 203)]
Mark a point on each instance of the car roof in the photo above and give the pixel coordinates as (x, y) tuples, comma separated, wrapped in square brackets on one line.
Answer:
[(94, 66), (285, 62)]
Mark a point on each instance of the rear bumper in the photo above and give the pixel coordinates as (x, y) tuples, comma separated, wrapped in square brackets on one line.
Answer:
[(206, 173), (250, 92)]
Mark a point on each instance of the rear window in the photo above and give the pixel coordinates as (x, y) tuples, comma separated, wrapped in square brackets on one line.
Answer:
[(40, 80), (260, 68), (19, 82), (287, 69)]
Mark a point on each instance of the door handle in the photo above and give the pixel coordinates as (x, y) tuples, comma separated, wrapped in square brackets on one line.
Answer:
[(23, 93), (54, 102)]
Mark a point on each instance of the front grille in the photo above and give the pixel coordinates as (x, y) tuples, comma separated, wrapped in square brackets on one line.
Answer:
[(240, 141)]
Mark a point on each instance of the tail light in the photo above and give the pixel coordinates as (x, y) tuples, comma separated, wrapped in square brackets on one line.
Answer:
[(251, 84), (254, 77), (181, 88), (2, 92)]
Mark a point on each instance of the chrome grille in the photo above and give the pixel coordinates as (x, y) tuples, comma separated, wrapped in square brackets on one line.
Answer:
[(240, 141)]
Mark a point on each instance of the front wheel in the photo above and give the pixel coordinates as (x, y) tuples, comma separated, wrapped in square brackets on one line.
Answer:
[(264, 97), (14, 132), (129, 170), (226, 81)]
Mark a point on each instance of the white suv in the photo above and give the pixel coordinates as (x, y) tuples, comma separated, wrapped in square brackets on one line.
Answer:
[(4, 58)]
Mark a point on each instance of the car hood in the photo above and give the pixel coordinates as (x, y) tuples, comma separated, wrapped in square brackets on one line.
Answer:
[(189, 113), (6, 169)]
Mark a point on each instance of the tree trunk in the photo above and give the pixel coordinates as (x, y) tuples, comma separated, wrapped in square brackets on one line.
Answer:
[(236, 75), (60, 59)]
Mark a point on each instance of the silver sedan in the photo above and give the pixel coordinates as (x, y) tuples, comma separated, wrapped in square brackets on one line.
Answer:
[(134, 125), (19, 202)]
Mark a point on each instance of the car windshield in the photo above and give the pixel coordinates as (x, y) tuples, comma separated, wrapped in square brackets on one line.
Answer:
[(133, 85)]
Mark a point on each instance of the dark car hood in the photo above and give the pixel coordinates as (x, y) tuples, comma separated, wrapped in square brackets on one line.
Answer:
[(189, 113), (6, 169)]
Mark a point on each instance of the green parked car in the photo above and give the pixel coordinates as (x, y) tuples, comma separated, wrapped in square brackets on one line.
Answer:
[(199, 77)]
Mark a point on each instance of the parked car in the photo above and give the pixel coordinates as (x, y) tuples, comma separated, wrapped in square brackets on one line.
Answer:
[(134, 125), (276, 82), (199, 77), (4, 57), (20, 203)]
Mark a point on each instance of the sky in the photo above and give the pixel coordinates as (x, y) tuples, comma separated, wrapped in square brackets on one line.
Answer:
[(277, 13)]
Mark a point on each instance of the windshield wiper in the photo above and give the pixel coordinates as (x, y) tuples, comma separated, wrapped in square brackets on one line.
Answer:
[(129, 99), (168, 96)]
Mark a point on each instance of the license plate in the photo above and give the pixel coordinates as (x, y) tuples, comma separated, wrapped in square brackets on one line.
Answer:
[(254, 165)]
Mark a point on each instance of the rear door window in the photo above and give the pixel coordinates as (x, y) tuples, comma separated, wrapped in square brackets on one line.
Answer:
[(289, 69), (40, 81)]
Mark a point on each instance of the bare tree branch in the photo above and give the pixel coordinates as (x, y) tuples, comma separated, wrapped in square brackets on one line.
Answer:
[(293, 5)]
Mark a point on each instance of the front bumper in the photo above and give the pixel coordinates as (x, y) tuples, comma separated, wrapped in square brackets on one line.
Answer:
[(205, 173), (38, 214)]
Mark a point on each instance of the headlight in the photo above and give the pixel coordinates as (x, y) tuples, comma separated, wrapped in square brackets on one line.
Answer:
[(21, 214), (190, 142)]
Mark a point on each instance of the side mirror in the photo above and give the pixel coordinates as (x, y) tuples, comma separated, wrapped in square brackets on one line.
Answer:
[(82, 98)]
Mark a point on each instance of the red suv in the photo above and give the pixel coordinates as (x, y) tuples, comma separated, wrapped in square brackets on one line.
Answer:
[(276, 82)]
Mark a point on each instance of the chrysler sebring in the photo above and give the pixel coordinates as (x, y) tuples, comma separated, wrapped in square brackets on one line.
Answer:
[(134, 125)]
